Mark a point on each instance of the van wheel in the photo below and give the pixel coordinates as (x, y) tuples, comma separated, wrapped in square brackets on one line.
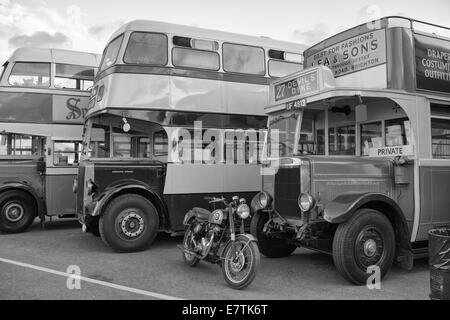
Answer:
[(129, 223), (270, 247), (17, 211), (365, 240)]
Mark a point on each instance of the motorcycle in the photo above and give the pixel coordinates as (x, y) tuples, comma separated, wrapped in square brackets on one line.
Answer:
[(212, 237)]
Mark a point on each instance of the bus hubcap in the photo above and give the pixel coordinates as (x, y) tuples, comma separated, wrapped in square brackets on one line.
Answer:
[(369, 248), (14, 212), (132, 224)]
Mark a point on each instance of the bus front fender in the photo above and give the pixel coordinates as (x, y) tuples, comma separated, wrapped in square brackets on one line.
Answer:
[(343, 207), (134, 188)]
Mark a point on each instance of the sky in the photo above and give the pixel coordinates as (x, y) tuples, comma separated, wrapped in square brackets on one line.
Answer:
[(86, 25)]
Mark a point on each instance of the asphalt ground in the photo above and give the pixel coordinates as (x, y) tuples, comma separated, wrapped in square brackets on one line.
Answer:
[(34, 265)]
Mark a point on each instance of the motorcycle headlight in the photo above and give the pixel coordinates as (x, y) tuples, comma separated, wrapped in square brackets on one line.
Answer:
[(306, 202), (243, 211)]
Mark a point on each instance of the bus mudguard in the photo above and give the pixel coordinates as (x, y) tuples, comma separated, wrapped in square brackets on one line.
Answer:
[(143, 190)]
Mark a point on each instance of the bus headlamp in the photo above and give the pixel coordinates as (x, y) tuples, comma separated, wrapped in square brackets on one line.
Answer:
[(243, 211), (306, 202), (261, 201)]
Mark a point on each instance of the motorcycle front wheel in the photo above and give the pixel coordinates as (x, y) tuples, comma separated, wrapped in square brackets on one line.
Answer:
[(241, 261), (190, 259)]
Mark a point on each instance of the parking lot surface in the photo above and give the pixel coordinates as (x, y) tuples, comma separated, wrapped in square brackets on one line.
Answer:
[(33, 265)]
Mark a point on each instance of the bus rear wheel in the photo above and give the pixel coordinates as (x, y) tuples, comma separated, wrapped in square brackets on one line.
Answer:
[(129, 223), (366, 240), (17, 211)]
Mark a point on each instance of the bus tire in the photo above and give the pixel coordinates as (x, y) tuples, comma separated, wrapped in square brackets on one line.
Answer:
[(129, 223), (17, 211), (269, 247), (366, 239)]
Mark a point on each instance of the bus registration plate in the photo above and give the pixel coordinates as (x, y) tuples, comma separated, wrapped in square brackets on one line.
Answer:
[(296, 104)]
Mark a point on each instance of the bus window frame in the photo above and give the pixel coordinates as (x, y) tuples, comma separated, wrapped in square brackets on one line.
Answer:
[(277, 60), (245, 45), (72, 89), (437, 117), (50, 79), (100, 70), (145, 64), (193, 68), (79, 152), (4, 66)]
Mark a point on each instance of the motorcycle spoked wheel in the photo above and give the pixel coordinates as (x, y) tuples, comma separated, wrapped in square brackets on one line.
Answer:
[(240, 263), (190, 259)]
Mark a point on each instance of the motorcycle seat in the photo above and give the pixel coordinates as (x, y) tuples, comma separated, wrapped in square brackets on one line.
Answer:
[(201, 214)]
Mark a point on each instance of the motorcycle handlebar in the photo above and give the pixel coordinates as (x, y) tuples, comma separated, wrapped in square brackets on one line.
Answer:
[(222, 199)]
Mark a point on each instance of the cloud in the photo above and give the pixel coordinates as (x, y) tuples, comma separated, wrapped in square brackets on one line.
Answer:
[(39, 39), (35, 23), (104, 30), (310, 37)]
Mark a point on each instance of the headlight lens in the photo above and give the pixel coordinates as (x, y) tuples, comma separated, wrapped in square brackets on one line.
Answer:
[(261, 201), (243, 211), (306, 202)]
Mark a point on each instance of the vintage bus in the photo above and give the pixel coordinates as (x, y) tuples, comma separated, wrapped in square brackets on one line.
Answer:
[(44, 95), (361, 168), (156, 82)]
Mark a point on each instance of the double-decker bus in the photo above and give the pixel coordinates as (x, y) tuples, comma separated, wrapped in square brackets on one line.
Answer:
[(163, 94), (363, 165), (44, 95)]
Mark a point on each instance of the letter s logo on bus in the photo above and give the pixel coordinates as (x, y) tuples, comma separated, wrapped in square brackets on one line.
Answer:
[(75, 112)]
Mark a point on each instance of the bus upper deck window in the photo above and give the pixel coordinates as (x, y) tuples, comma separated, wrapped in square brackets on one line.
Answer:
[(30, 74), (111, 52), (73, 77), (243, 59), (146, 48)]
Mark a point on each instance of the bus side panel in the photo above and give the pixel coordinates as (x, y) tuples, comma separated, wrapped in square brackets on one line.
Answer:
[(188, 184), (59, 195), (21, 172), (435, 199)]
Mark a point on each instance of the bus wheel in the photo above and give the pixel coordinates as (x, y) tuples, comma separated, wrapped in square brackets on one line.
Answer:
[(365, 240), (270, 247), (17, 211), (129, 223)]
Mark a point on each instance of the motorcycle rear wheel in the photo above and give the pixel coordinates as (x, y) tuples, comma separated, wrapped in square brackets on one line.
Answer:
[(240, 263), (189, 259)]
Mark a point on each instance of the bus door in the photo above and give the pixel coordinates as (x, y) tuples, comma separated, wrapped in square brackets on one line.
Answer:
[(62, 159)]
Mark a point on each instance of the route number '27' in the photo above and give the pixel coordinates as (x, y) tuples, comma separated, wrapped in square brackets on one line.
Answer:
[(303, 84)]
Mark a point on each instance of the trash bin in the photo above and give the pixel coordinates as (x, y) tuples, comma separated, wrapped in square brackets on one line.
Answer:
[(439, 261)]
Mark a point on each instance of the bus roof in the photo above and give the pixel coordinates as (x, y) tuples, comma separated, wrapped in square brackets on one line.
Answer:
[(27, 54), (207, 34)]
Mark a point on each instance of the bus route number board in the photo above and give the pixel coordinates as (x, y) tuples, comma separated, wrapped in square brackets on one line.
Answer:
[(296, 104)]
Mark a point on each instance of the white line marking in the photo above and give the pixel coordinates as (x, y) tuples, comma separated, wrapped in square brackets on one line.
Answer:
[(102, 283)]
